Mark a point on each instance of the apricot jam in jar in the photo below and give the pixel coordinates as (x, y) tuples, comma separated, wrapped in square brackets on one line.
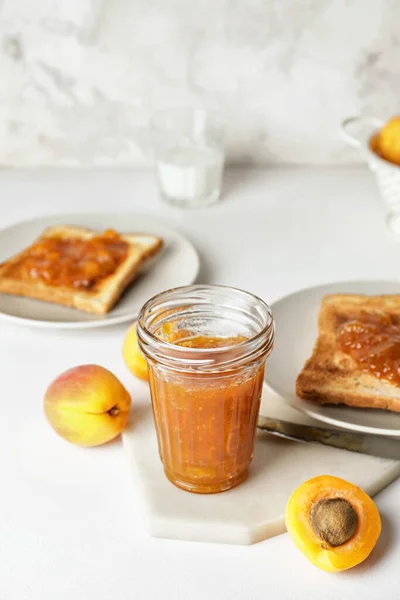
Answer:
[(206, 348)]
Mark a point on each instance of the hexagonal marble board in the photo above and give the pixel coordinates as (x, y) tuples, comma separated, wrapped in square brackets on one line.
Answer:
[(253, 511)]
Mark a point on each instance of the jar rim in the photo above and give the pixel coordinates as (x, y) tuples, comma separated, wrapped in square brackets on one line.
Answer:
[(257, 345)]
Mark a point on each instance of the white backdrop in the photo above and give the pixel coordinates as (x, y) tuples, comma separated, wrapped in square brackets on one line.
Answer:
[(79, 77)]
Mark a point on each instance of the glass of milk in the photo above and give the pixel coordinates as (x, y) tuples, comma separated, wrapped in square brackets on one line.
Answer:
[(188, 145)]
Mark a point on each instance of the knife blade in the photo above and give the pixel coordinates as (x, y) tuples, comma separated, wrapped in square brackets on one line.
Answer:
[(364, 443)]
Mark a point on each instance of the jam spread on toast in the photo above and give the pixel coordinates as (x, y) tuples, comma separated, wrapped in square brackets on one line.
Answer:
[(72, 262), (373, 341)]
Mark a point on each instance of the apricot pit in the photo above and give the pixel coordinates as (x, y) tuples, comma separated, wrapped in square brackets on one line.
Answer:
[(334, 520)]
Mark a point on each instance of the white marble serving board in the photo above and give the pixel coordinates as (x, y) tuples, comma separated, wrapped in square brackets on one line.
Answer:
[(254, 511)]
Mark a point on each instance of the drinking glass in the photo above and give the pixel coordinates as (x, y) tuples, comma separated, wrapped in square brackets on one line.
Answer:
[(189, 155)]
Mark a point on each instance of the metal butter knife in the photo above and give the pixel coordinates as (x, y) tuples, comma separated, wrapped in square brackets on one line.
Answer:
[(365, 443)]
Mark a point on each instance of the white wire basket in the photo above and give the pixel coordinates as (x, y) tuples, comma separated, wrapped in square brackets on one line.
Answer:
[(359, 132)]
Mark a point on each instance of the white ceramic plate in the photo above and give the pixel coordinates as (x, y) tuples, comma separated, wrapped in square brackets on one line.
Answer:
[(296, 331), (178, 264)]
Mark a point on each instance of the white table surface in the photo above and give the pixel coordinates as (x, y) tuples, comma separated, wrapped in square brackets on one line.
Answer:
[(71, 527)]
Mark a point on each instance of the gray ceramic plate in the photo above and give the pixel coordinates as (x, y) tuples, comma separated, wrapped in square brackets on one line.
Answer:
[(177, 265), (296, 331)]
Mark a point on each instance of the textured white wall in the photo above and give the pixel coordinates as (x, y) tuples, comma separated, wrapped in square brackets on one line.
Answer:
[(78, 78)]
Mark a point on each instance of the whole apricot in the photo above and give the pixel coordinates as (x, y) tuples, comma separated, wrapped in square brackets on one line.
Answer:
[(87, 405), (389, 141), (133, 358)]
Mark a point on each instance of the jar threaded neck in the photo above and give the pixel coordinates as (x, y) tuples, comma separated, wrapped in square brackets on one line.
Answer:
[(206, 310)]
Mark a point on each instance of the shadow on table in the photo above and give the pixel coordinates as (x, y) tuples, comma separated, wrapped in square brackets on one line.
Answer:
[(139, 413), (205, 274), (239, 177)]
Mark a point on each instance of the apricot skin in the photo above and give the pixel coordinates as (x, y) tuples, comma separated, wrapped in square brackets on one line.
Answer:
[(87, 405), (389, 141), (133, 358)]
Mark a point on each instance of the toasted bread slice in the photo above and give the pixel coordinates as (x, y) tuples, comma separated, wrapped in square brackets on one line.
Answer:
[(331, 376), (100, 298)]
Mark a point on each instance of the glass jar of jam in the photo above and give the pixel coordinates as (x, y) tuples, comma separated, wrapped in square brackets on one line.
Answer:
[(206, 348)]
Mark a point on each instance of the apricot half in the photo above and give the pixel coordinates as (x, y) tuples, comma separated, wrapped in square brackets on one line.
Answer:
[(87, 405), (332, 522), (133, 358)]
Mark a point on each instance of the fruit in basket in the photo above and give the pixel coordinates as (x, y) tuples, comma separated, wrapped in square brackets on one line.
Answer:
[(133, 358), (332, 522), (389, 141), (87, 405)]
